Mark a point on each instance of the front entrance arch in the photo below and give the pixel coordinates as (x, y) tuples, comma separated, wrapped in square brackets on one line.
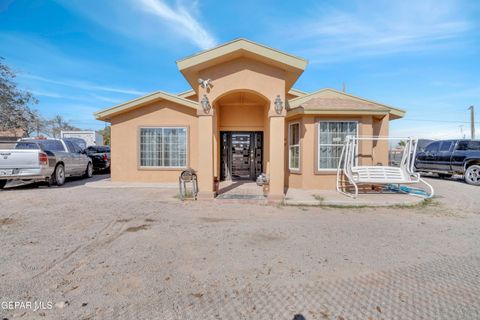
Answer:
[(241, 132)]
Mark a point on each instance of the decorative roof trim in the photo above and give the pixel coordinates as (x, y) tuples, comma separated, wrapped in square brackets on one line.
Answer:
[(105, 114)]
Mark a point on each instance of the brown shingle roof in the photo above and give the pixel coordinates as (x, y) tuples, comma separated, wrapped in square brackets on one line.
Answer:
[(340, 105), (329, 101)]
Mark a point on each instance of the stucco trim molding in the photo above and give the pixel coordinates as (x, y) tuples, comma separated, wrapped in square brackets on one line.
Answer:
[(106, 114)]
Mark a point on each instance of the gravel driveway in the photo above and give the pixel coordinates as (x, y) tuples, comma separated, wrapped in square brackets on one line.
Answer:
[(87, 253)]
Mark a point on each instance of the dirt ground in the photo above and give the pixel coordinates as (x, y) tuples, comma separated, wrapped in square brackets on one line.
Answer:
[(86, 253)]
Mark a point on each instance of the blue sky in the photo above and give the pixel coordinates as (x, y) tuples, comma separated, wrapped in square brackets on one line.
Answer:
[(79, 56)]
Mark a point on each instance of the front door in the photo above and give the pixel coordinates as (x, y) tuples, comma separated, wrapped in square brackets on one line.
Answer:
[(241, 155)]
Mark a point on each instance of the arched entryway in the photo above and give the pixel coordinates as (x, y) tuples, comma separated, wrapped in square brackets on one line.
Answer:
[(241, 130)]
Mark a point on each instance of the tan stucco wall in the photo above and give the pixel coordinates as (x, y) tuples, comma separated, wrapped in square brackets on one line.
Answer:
[(125, 140), (242, 118), (308, 177), (380, 148)]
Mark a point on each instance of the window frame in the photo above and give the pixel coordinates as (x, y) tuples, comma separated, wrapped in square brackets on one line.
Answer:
[(295, 170), (317, 142), (450, 142), (431, 144), (70, 146), (161, 168)]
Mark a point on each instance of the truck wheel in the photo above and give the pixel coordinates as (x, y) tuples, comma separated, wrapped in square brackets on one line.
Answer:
[(472, 175), (2, 183), (89, 171), (58, 176)]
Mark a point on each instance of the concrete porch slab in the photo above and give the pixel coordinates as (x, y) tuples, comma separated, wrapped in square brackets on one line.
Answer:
[(240, 190), (301, 197)]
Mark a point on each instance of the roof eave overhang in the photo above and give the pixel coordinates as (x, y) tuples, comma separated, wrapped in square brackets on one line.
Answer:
[(107, 114)]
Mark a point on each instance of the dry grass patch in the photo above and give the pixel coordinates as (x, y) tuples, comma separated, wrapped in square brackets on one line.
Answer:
[(6, 221)]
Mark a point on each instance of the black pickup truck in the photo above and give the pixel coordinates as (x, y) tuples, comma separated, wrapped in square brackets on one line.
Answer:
[(449, 157)]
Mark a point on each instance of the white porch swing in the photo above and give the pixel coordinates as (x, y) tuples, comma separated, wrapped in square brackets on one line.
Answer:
[(380, 175)]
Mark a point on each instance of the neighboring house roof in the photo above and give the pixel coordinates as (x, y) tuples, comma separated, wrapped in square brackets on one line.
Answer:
[(190, 66), (13, 133), (330, 101), (106, 114)]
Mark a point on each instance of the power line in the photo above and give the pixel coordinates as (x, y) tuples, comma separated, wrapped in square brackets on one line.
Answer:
[(430, 120)]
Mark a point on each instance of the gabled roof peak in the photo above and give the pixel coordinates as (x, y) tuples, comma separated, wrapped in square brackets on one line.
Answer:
[(241, 48), (245, 45)]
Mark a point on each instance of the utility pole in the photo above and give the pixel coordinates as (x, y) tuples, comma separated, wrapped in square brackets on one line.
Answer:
[(344, 87), (472, 119)]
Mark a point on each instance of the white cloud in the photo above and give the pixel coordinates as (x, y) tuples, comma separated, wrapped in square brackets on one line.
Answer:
[(180, 20), (82, 85), (378, 28), (107, 99), (47, 94), (152, 21)]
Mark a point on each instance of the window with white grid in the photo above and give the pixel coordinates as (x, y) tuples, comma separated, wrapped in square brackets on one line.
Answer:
[(331, 137), (163, 147), (294, 146)]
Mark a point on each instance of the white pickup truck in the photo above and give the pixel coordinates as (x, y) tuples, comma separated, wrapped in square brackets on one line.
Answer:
[(50, 160)]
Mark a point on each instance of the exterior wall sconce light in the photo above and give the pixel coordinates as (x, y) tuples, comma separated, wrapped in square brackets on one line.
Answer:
[(205, 104), (278, 104)]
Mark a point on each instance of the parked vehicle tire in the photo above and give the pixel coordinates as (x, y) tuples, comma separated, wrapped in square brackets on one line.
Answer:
[(89, 171), (472, 175), (58, 176), (444, 175), (3, 183)]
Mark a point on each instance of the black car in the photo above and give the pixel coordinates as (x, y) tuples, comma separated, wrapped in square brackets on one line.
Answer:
[(449, 157), (100, 156)]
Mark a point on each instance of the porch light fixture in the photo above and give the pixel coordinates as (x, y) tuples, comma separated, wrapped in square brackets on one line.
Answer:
[(205, 104), (278, 104)]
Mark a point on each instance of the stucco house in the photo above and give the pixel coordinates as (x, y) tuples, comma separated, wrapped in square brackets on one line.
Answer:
[(242, 118)]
